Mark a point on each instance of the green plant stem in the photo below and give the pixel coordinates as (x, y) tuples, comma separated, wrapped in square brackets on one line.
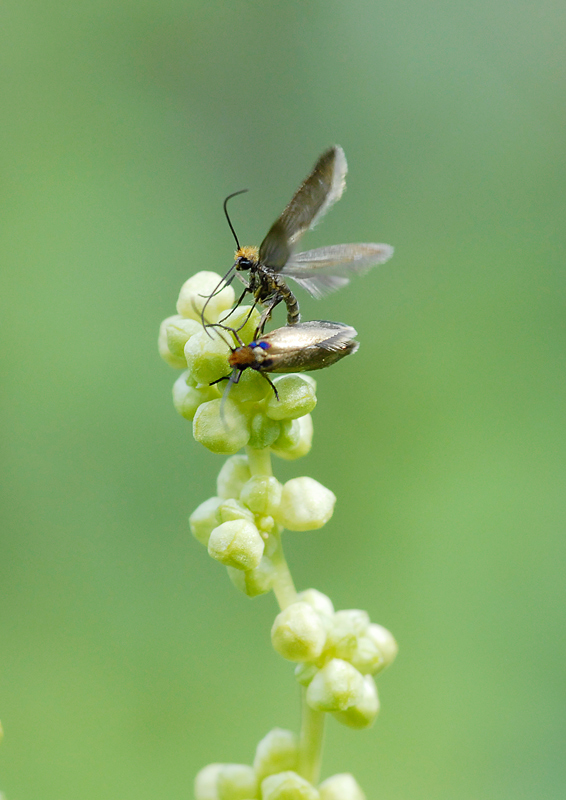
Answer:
[(283, 586), (310, 741), (259, 461), (312, 722)]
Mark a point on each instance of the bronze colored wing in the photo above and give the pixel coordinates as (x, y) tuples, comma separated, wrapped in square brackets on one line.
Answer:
[(327, 269), (320, 190)]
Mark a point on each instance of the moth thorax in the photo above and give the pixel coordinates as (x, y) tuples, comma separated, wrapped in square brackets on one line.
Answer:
[(246, 257), (246, 356)]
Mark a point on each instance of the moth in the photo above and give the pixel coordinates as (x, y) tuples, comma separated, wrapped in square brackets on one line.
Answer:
[(301, 347), (265, 270)]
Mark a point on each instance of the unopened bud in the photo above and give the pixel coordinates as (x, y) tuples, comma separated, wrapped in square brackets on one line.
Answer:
[(204, 519), (223, 434), (341, 787), (295, 439), (244, 320), (198, 290), (262, 494), (287, 786), (236, 544), (347, 627), (254, 582), (336, 687), (305, 505), (233, 509), (179, 331), (207, 354), (178, 362), (304, 673), (206, 782), (187, 397), (263, 431), (277, 752), (363, 713), (385, 642), (319, 601), (234, 474), (236, 782), (296, 397), (298, 633)]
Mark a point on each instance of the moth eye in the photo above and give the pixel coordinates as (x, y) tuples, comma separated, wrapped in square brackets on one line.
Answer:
[(264, 345)]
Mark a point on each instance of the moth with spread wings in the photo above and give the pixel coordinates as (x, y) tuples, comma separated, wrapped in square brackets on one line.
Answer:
[(319, 271)]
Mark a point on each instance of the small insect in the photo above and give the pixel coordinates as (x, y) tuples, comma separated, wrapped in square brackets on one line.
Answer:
[(319, 271), (297, 348)]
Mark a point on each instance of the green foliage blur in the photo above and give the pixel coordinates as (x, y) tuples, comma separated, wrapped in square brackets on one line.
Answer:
[(127, 659)]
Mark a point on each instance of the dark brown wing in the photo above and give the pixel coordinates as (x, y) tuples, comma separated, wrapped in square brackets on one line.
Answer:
[(320, 190)]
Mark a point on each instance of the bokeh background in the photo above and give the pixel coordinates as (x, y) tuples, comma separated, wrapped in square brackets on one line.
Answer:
[(127, 659)]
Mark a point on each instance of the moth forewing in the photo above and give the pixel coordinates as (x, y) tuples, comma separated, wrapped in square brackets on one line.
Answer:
[(297, 348), (318, 192)]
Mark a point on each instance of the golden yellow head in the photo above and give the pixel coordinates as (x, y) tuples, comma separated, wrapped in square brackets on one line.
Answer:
[(247, 256)]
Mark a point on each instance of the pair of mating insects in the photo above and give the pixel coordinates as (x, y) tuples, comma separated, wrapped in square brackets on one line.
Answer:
[(299, 346)]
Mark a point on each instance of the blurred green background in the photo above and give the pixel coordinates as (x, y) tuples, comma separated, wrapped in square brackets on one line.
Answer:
[(127, 659)]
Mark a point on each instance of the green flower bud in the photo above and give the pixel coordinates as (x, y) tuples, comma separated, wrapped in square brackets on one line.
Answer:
[(206, 782), (363, 713), (236, 544), (277, 752), (187, 398), (304, 673), (262, 494), (251, 387), (223, 436), (254, 582), (366, 657), (306, 505), (207, 356), (341, 787), (385, 642), (234, 474), (178, 362), (265, 523), (263, 431), (237, 782), (336, 687), (296, 398), (242, 315), (204, 519), (233, 509), (194, 294), (295, 439), (347, 627), (287, 786), (179, 330), (298, 633), (319, 601)]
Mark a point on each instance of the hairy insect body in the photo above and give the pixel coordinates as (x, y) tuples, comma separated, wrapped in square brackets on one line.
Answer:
[(299, 348), (318, 271), (267, 289)]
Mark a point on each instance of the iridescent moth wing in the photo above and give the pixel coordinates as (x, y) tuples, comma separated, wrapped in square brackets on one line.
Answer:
[(318, 192), (324, 269)]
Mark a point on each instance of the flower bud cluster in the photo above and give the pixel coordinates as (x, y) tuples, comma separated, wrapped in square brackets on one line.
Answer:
[(273, 776), (337, 654), (240, 524), (251, 415)]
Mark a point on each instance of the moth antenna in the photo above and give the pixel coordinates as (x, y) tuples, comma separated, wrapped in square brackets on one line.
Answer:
[(233, 331), (230, 196), (226, 280)]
